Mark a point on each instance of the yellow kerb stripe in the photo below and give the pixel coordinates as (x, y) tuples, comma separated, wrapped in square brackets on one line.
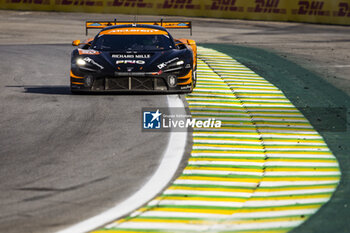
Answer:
[(245, 180)]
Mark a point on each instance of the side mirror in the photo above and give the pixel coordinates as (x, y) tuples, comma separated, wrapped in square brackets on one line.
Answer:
[(76, 43), (191, 42)]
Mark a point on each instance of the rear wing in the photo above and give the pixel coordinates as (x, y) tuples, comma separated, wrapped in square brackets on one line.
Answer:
[(165, 24)]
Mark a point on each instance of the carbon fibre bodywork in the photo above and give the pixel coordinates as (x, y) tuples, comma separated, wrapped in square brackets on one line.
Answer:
[(171, 69)]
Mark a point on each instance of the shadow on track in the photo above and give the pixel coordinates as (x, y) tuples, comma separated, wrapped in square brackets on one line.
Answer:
[(49, 90), (65, 90)]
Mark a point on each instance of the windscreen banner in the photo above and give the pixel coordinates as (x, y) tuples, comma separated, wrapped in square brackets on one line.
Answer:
[(311, 11)]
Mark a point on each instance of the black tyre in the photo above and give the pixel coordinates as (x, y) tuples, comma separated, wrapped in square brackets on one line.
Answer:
[(194, 77)]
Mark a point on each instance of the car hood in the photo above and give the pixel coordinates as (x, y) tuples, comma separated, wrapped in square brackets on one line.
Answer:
[(138, 61)]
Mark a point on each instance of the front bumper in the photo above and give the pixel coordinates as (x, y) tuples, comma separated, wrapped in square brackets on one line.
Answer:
[(130, 82)]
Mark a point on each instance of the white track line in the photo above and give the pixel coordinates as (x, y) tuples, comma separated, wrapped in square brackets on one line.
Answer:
[(170, 162)]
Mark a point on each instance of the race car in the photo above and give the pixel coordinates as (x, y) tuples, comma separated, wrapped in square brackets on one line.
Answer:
[(128, 56)]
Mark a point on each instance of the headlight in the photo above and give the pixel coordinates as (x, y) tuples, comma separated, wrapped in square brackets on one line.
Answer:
[(175, 66), (179, 63), (171, 63), (81, 62)]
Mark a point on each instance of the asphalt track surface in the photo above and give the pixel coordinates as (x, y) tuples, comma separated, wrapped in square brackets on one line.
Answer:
[(62, 155), (65, 158)]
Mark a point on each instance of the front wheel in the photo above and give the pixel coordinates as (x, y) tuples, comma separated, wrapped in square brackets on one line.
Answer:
[(194, 77)]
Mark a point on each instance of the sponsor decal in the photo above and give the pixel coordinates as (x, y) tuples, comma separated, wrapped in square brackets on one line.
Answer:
[(88, 52), (95, 24), (87, 59), (138, 62), (267, 6), (311, 8), (222, 5), (36, 2), (132, 56), (99, 25), (185, 87), (330, 11), (164, 64), (130, 3), (178, 4), (151, 31), (79, 2), (165, 120), (344, 10), (172, 81)]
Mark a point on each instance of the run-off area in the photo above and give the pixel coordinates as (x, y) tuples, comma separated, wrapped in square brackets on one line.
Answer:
[(266, 169)]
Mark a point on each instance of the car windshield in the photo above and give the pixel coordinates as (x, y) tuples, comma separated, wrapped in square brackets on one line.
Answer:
[(132, 42)]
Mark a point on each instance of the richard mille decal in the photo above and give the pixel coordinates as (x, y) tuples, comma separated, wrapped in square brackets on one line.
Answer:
[(131, 56)]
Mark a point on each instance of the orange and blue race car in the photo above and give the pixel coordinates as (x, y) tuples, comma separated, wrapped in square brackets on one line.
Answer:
[(126, 56)]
